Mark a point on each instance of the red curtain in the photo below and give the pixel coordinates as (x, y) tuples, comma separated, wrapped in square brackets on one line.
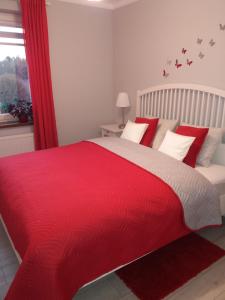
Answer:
[(34, 20)]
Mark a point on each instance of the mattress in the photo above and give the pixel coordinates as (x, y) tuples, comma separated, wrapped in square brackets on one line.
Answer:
[(216, 175)]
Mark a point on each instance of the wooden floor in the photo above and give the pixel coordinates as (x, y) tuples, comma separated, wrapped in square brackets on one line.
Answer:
[(208, 285)]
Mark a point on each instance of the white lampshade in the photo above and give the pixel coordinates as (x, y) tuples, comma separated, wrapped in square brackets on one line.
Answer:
[(123, 100)]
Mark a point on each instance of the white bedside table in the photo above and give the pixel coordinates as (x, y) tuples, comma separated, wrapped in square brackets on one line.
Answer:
[(111, 130)]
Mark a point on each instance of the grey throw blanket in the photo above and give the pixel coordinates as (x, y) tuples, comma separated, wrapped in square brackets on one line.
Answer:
[(198, 196)]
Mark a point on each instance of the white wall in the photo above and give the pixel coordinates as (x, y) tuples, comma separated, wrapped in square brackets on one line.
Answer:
[(81, 61), (148, 32)]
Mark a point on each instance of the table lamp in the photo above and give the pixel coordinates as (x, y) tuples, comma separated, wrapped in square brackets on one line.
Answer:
[(122, 102)]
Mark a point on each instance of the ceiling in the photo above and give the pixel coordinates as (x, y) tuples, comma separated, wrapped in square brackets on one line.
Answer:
[(108, 4)]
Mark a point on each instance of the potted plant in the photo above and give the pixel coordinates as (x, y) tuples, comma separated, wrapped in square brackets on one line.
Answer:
[(21, 109)]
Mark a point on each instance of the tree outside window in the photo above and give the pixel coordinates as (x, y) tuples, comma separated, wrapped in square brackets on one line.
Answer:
[(14, 79)]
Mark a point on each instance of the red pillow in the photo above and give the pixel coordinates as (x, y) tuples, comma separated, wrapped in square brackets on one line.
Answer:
[(150, 132), (200, 135)]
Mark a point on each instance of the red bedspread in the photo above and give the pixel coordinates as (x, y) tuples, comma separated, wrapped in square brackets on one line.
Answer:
[(77, 212)]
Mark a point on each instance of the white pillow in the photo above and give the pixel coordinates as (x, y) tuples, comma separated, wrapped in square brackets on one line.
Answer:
[(134, 131), (211, 143), (176, 145), (162, 128)]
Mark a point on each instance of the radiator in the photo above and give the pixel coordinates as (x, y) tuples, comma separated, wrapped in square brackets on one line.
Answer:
[(15, 144)]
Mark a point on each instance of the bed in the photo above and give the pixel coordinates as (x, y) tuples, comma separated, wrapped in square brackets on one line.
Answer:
[(215, 173), (77, 212)]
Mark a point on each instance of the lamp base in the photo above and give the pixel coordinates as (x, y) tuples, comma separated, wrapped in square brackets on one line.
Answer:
[(121, 126)]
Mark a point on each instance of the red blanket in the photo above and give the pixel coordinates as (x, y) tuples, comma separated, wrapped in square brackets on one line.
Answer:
[(77, 212)]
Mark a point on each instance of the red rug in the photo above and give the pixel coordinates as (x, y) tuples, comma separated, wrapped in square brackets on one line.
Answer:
[(158, 274)]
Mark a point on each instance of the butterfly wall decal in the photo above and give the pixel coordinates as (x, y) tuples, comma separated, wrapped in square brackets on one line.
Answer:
[(222, 26), (184, 51), (201, 55), (165, 74), (189, 62), (212, 42), (199, 41), (177, 64)]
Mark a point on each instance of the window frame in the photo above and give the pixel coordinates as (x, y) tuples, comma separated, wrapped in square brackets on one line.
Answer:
[(14, 21)]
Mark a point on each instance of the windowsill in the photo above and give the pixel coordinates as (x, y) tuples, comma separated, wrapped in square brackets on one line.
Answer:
[(10, 124)]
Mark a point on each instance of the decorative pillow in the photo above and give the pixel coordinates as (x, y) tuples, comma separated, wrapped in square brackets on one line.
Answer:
[(200, 135), (163, 126), (134, 132), (176, 145), (212, 141), (150, 132)]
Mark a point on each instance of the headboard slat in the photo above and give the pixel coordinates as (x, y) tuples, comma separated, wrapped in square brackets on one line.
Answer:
[(223, 115), (192, 108), (197, 110)]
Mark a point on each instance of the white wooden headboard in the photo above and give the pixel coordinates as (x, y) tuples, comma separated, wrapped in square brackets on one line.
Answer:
[(189, 103)]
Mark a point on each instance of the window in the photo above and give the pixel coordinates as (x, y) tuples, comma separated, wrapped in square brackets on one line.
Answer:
[(14, 80)]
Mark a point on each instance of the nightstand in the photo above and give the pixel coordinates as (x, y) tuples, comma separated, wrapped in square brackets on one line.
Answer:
[(111, 130)]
